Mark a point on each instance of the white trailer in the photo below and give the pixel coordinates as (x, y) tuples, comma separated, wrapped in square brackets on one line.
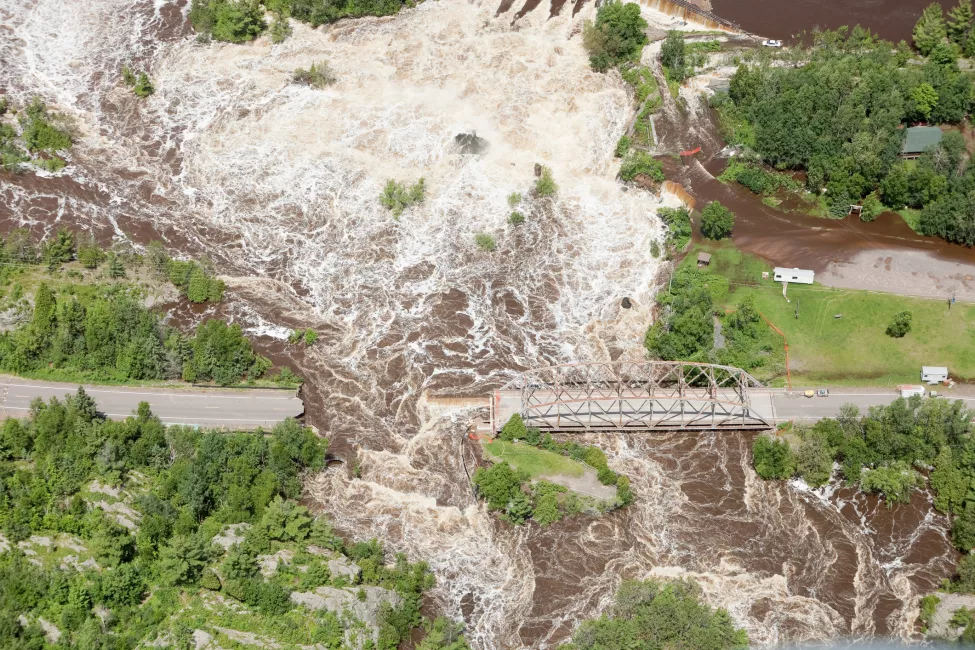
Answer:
[(907, 390)]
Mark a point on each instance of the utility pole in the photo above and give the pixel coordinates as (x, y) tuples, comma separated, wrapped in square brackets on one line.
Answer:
[(797, 309)]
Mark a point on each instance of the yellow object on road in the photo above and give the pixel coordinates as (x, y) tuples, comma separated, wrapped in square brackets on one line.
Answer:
[(810, 393)]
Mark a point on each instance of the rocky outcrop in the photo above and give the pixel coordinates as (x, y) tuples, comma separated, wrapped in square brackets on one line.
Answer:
[(351, 604), (939, 627)]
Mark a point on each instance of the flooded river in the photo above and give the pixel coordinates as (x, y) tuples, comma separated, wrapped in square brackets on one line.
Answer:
[(278, 183)]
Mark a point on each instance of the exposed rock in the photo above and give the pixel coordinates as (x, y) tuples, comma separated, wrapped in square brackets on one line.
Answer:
[(50, 630), (202, 639), (269, 563), (247, 638), (626, 303), (538, 170), (232, 534), (12, 318), (347, 601), (469, 143), (101, 488), (71, 562), (71, 543), (943, 612), (121, 513), (341, 566)]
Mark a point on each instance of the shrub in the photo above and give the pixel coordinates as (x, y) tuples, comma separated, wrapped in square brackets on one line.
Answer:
[(319, 75), (672, 55), (516, 218), (514, 429), (679, 229), (39, 134), (641, 163), (486, 242), (514, 199), (498, 484), (894, 481), (900, 325), (143, 86), (310, 337), (717, 221), (233, 21), (623, 146), (397, 197), (280, 28), (654, 249), (545, 184), (128, 77), (772, 458)]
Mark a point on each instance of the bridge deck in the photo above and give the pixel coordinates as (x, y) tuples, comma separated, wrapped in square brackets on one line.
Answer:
[(694, 409)]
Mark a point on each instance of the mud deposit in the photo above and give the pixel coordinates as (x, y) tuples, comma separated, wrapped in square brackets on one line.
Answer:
[(279, 184)]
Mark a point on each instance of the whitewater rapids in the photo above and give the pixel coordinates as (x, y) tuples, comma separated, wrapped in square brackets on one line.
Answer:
[(279, 184)]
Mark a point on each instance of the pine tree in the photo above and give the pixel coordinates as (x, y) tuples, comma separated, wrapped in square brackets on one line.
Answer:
[(84, 405), (44, 306), (930, 29), (960, 21), (519, 508), (116, 269)]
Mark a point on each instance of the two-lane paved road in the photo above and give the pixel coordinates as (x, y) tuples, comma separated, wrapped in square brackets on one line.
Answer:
[(205, 407), (778, 405)]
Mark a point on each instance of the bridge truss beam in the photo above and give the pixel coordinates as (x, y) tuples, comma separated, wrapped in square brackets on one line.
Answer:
[(632, 395)]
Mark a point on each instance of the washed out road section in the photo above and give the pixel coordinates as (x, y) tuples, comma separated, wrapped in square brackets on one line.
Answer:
[(204, 407)]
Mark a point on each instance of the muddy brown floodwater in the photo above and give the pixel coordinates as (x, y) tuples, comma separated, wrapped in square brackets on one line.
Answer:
[(786, 19), (410, 310)]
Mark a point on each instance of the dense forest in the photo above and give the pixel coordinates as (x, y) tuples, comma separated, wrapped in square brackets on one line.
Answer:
[(882, 451), (238, 21), (96, 327), (119, 535), (838, 111)]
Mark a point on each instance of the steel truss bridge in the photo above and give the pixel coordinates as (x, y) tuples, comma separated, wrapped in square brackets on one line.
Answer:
[(630, 396)]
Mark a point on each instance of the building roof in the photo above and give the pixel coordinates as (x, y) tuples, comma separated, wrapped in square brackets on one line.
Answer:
[(934, 370), (704, 257), (799, 273), (920, 138)]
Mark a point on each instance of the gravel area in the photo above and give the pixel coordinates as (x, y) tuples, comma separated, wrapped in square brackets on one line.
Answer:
[(906, 272)]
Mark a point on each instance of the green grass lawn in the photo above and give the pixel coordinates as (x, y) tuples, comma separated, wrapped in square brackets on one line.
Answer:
[(853, 349), (537, 462), (911, 217)]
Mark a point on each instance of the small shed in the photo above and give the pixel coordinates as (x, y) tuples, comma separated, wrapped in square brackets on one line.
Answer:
[(919, 138), (934, 374), (704, 259), (798, 276)]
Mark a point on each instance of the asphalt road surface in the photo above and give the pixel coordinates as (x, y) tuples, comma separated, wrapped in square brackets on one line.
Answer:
[(204, 407), (780, 405)]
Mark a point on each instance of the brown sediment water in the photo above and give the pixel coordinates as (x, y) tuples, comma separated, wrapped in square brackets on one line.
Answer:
[(279, 185), (787, 19)]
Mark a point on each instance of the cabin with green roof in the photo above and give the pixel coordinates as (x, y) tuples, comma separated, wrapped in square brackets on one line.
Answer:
[(918, 139)]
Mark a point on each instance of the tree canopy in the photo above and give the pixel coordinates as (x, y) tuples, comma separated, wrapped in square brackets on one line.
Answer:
[(616, 36), (841, 117)]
